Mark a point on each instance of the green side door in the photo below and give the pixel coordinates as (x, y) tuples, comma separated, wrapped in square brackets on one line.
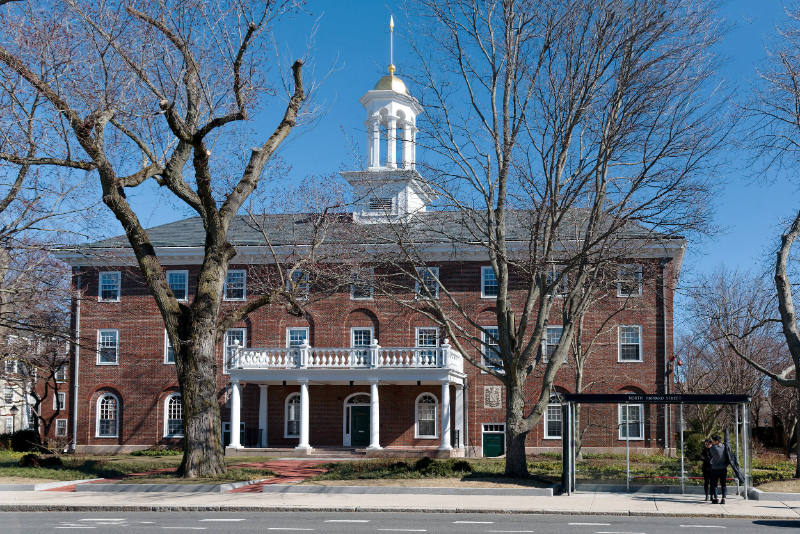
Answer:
[(493, 445), (359, 426)]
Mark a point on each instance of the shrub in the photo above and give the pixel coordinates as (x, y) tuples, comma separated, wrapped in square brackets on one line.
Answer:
[(25, 441), (423, 464), (34, 460), (158, 450), (462, 466), (399, 466), (693, 446), (5, 442)]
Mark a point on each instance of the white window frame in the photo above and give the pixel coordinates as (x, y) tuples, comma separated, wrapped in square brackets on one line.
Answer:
[(435, 435), (347, 415), (60, 374), (226, 346), (167, 346), (484, 337), (103, 274), (562, 288), (422, 274), (100, 332), (59, 401), (353, 336), (484, 269), (10, 366), (185, 273), (416, 336), (61, 428), (289, 337), (547, 420), (301, 281), (8, 395), (356, 276), (244, 285), (619, 343), (97, 416), (494, 428), (286, 403), (634, 268), (167, 400), (8, 424), (640, 437), (545, 344)]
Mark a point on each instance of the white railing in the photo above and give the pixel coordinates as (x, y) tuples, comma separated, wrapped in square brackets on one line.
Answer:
[(373, 356)]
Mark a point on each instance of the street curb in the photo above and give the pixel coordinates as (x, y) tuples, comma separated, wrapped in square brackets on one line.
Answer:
[(233, 508), (759, 495), (45, 485), (404, 490), (166, 488)]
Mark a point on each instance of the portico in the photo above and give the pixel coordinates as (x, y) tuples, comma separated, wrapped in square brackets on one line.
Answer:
[(309, 371)]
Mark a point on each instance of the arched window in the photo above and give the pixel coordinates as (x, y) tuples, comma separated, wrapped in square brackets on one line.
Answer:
[(425, 416), (107, 416), (173, 416), (292, 428)]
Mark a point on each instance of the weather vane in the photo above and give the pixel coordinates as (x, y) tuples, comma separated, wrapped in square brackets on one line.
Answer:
[(391, 45)]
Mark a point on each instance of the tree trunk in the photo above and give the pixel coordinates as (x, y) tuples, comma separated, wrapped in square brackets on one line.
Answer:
[(197, 374), (516, 459), (797, 429), (576, 424)]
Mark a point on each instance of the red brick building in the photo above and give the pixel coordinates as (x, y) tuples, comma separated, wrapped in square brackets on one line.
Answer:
[(358, 370)]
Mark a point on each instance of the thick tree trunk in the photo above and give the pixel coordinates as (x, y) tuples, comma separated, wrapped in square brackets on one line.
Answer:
[(203, 455), (797, 429), (516, 459)]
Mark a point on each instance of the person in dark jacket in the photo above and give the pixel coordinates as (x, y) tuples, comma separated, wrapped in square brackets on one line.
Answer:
[(706, 457), (721, 457)]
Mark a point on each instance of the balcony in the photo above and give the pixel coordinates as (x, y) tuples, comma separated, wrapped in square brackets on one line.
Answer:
[(371, 357)]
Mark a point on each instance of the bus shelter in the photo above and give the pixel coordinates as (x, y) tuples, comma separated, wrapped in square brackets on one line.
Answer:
[(569, 401)]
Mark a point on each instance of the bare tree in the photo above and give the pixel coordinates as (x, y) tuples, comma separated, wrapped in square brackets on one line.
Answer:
[(143, 91), (564, 136)]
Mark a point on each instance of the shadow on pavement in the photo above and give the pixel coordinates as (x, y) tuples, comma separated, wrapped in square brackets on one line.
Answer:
[(790, 523)]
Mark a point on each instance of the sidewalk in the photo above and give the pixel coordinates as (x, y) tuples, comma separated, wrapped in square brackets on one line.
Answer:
[(579, 503)]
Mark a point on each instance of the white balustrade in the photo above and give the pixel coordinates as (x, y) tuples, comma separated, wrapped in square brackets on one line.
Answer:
[(348, 358)]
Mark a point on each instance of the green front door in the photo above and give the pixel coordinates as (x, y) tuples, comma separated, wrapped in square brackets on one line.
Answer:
[(493, 445), (359, 426)]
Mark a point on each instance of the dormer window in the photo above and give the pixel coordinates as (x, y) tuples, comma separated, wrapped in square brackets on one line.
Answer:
[(380, 204)]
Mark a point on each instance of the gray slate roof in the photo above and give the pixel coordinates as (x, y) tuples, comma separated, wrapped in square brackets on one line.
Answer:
[(297, 229)]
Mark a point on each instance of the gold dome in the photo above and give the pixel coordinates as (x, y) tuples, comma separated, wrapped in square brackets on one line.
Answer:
[(392, 83)]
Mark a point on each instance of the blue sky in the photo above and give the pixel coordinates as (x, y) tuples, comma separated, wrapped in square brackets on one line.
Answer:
[(349, 54)]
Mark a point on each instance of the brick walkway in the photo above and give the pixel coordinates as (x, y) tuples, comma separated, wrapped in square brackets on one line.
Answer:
[(286, 472)]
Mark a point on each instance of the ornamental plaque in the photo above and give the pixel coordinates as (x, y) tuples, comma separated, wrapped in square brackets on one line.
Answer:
[(492, 397)]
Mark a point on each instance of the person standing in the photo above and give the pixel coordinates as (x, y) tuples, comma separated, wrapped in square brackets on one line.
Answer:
[(706, 457), (721, 457)]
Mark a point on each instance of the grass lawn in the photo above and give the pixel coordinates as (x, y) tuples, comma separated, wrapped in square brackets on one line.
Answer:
[(78, 467)]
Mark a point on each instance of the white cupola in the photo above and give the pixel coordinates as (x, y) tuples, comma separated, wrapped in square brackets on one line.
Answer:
[(390, 187)]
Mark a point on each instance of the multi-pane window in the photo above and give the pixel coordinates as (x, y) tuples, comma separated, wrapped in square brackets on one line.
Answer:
[(298, 282), (427, 283), (296, 336), (361, 338), (629, 280), (174, 417), (107, 347), (169, 350), (361, 287), (9, 424), (491, 349), (561, 287), (107, 416), (179, 283), (61, 373), (236, 285), (552, 420), (426, 416), (234, 337), (59, 401), (110, 283), (489, 287), (8, 395), (292, 429), (631, 421), (10, 366), (630, 343), (61, 427), (428, 339), (550, 342)]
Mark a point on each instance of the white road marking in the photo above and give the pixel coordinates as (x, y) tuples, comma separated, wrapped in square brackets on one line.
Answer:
[(223, 519), (288, 528), (402, 530), (186, 528), (509, 531), (102, 519), (473, 522), (80, 526), (590, 524), (617, 532), (702, 526), (347, 520)]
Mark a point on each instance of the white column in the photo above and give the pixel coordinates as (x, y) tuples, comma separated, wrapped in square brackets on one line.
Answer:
[(262, 415), (374, 142), (406, 146), (391, 142), (374, 417), (236, 410), (459, 415), (445, 417), (303, 417)]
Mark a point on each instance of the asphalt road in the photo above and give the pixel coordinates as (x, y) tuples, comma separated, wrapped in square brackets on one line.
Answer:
[(151, 522)]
